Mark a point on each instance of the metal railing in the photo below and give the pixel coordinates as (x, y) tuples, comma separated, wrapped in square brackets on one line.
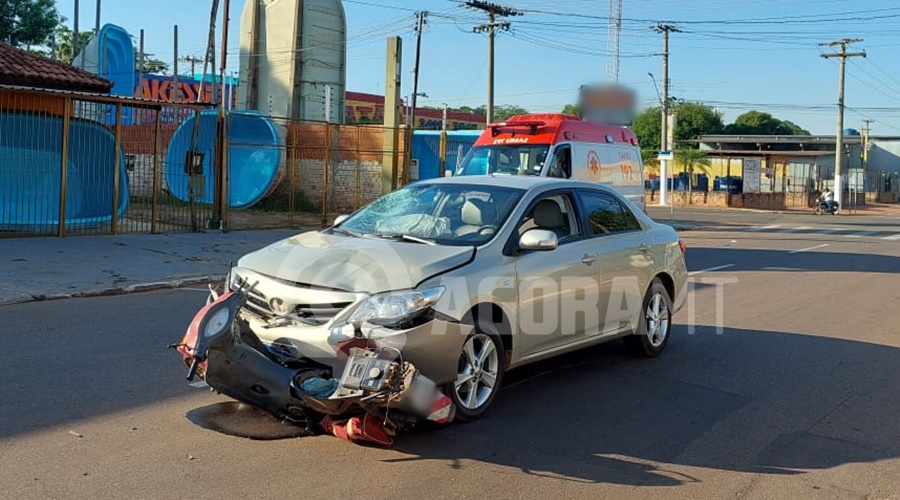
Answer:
[(324, 170), (74, 163)]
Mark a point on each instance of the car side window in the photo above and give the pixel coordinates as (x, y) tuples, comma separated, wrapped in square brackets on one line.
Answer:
[(554, 213), (606, 214)]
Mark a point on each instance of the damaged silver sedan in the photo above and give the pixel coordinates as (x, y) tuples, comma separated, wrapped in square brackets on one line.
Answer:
[(461, 278)]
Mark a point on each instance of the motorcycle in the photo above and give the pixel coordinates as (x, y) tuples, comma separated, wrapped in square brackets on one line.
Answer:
[(821, 207), (377, 388)]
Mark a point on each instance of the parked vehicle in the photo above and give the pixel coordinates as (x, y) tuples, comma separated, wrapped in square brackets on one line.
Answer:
[(449, 275), (820, 206), (563, 146)]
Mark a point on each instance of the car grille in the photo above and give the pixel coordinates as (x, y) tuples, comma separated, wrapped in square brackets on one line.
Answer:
[(313, 314)]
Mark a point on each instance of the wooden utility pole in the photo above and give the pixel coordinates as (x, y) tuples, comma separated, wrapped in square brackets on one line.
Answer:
[(493, 11), (839, 141)]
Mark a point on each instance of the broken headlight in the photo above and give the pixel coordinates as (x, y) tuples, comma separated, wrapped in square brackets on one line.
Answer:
[(393, 309)]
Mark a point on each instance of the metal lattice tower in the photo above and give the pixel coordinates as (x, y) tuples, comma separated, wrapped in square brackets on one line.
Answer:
[(613, 35)]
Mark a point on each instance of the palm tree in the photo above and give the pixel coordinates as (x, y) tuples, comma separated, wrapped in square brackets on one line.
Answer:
[(693, 160)]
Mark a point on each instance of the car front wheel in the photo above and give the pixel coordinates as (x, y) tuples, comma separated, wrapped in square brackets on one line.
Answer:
[(654, 325), (479, 374)]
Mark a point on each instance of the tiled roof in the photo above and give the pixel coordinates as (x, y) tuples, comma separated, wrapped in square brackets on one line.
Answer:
[(21, 68)]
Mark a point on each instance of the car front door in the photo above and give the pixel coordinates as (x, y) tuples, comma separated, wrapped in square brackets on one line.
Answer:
[(556, 287), (625, 253)]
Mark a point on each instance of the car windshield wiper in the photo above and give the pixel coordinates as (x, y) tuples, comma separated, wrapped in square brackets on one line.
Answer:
[(404, 237), (346, 232)]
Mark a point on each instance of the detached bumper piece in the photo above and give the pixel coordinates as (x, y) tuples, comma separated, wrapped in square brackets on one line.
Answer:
[(378, 395)]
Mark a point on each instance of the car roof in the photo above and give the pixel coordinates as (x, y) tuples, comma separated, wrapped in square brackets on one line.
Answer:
[(524, 182)]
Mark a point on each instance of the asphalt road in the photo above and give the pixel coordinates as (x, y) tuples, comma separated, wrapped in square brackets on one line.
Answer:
[(795, 396)]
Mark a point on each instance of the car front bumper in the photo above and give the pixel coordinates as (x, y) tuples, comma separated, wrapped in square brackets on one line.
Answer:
[(433, 347)]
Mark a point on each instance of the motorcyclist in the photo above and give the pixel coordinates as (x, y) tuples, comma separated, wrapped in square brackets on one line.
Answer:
[(828, 198)]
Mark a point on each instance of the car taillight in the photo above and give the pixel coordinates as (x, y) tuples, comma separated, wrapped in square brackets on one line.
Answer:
[(681, 245)]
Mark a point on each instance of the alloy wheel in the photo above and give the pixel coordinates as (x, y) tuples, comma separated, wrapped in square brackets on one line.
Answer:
[(657, 317), (479, 365)]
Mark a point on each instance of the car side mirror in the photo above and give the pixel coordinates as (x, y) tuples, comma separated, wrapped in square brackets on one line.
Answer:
[(340, 218), (539, 240)]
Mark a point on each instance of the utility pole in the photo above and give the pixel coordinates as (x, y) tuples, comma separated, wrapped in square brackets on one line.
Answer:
[(222, 75), (75, 34), (193, 60), (97, 20), (665, 29), (493, 11), (210, 55), (411, 115), (839, 142), (866, 129), (176, 90)]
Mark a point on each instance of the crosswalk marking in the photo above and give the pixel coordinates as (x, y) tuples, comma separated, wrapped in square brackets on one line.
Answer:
[(765, 228), (838, 231)]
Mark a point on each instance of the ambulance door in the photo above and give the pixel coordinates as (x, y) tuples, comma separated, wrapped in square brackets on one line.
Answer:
[(559, 162)]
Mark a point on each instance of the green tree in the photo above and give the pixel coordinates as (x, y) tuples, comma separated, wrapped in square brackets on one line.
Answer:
[(26, 23), (151, 65), (691, 121), (760, 123), (572, 109), (501, 112), (692, 161), (63, 46)]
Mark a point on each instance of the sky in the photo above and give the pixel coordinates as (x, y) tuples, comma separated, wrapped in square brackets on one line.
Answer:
[(735, 55)]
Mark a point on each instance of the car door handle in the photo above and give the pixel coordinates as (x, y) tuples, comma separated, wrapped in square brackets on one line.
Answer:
[(588, 259)]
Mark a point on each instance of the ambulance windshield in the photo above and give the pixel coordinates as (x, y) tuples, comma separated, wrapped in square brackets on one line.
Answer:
[(509, 159)]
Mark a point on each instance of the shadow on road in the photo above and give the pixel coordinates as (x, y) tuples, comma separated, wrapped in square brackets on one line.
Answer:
[(742, 401), (740, 259)]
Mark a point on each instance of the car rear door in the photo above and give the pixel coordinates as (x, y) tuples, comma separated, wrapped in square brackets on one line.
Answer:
[(625, 256)]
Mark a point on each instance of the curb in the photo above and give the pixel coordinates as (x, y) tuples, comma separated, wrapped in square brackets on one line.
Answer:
[(105, 292), (678, 226)]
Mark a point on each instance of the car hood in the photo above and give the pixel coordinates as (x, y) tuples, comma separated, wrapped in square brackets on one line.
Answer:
[(354, 264)]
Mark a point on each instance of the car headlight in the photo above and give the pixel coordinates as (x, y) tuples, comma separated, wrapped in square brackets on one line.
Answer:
[(394, 308)]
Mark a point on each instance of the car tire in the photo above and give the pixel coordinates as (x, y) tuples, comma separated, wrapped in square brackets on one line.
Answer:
[(654, 325), (479, 374)]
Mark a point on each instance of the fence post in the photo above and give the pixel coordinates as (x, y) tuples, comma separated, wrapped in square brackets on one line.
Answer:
[(154, 210), (116, 166), (442, 154), (325, 174), (293, 133), (226, 202), (64, 166), (358, 154)]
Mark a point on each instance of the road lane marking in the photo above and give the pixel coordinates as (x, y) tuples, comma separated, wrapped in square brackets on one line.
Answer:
[(710, 269), (823, 245), (764, 228), (892, 238), (860, 234)]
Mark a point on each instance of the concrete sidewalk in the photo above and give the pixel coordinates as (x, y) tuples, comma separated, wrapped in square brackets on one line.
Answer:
[(79, 266), (84, 266)]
